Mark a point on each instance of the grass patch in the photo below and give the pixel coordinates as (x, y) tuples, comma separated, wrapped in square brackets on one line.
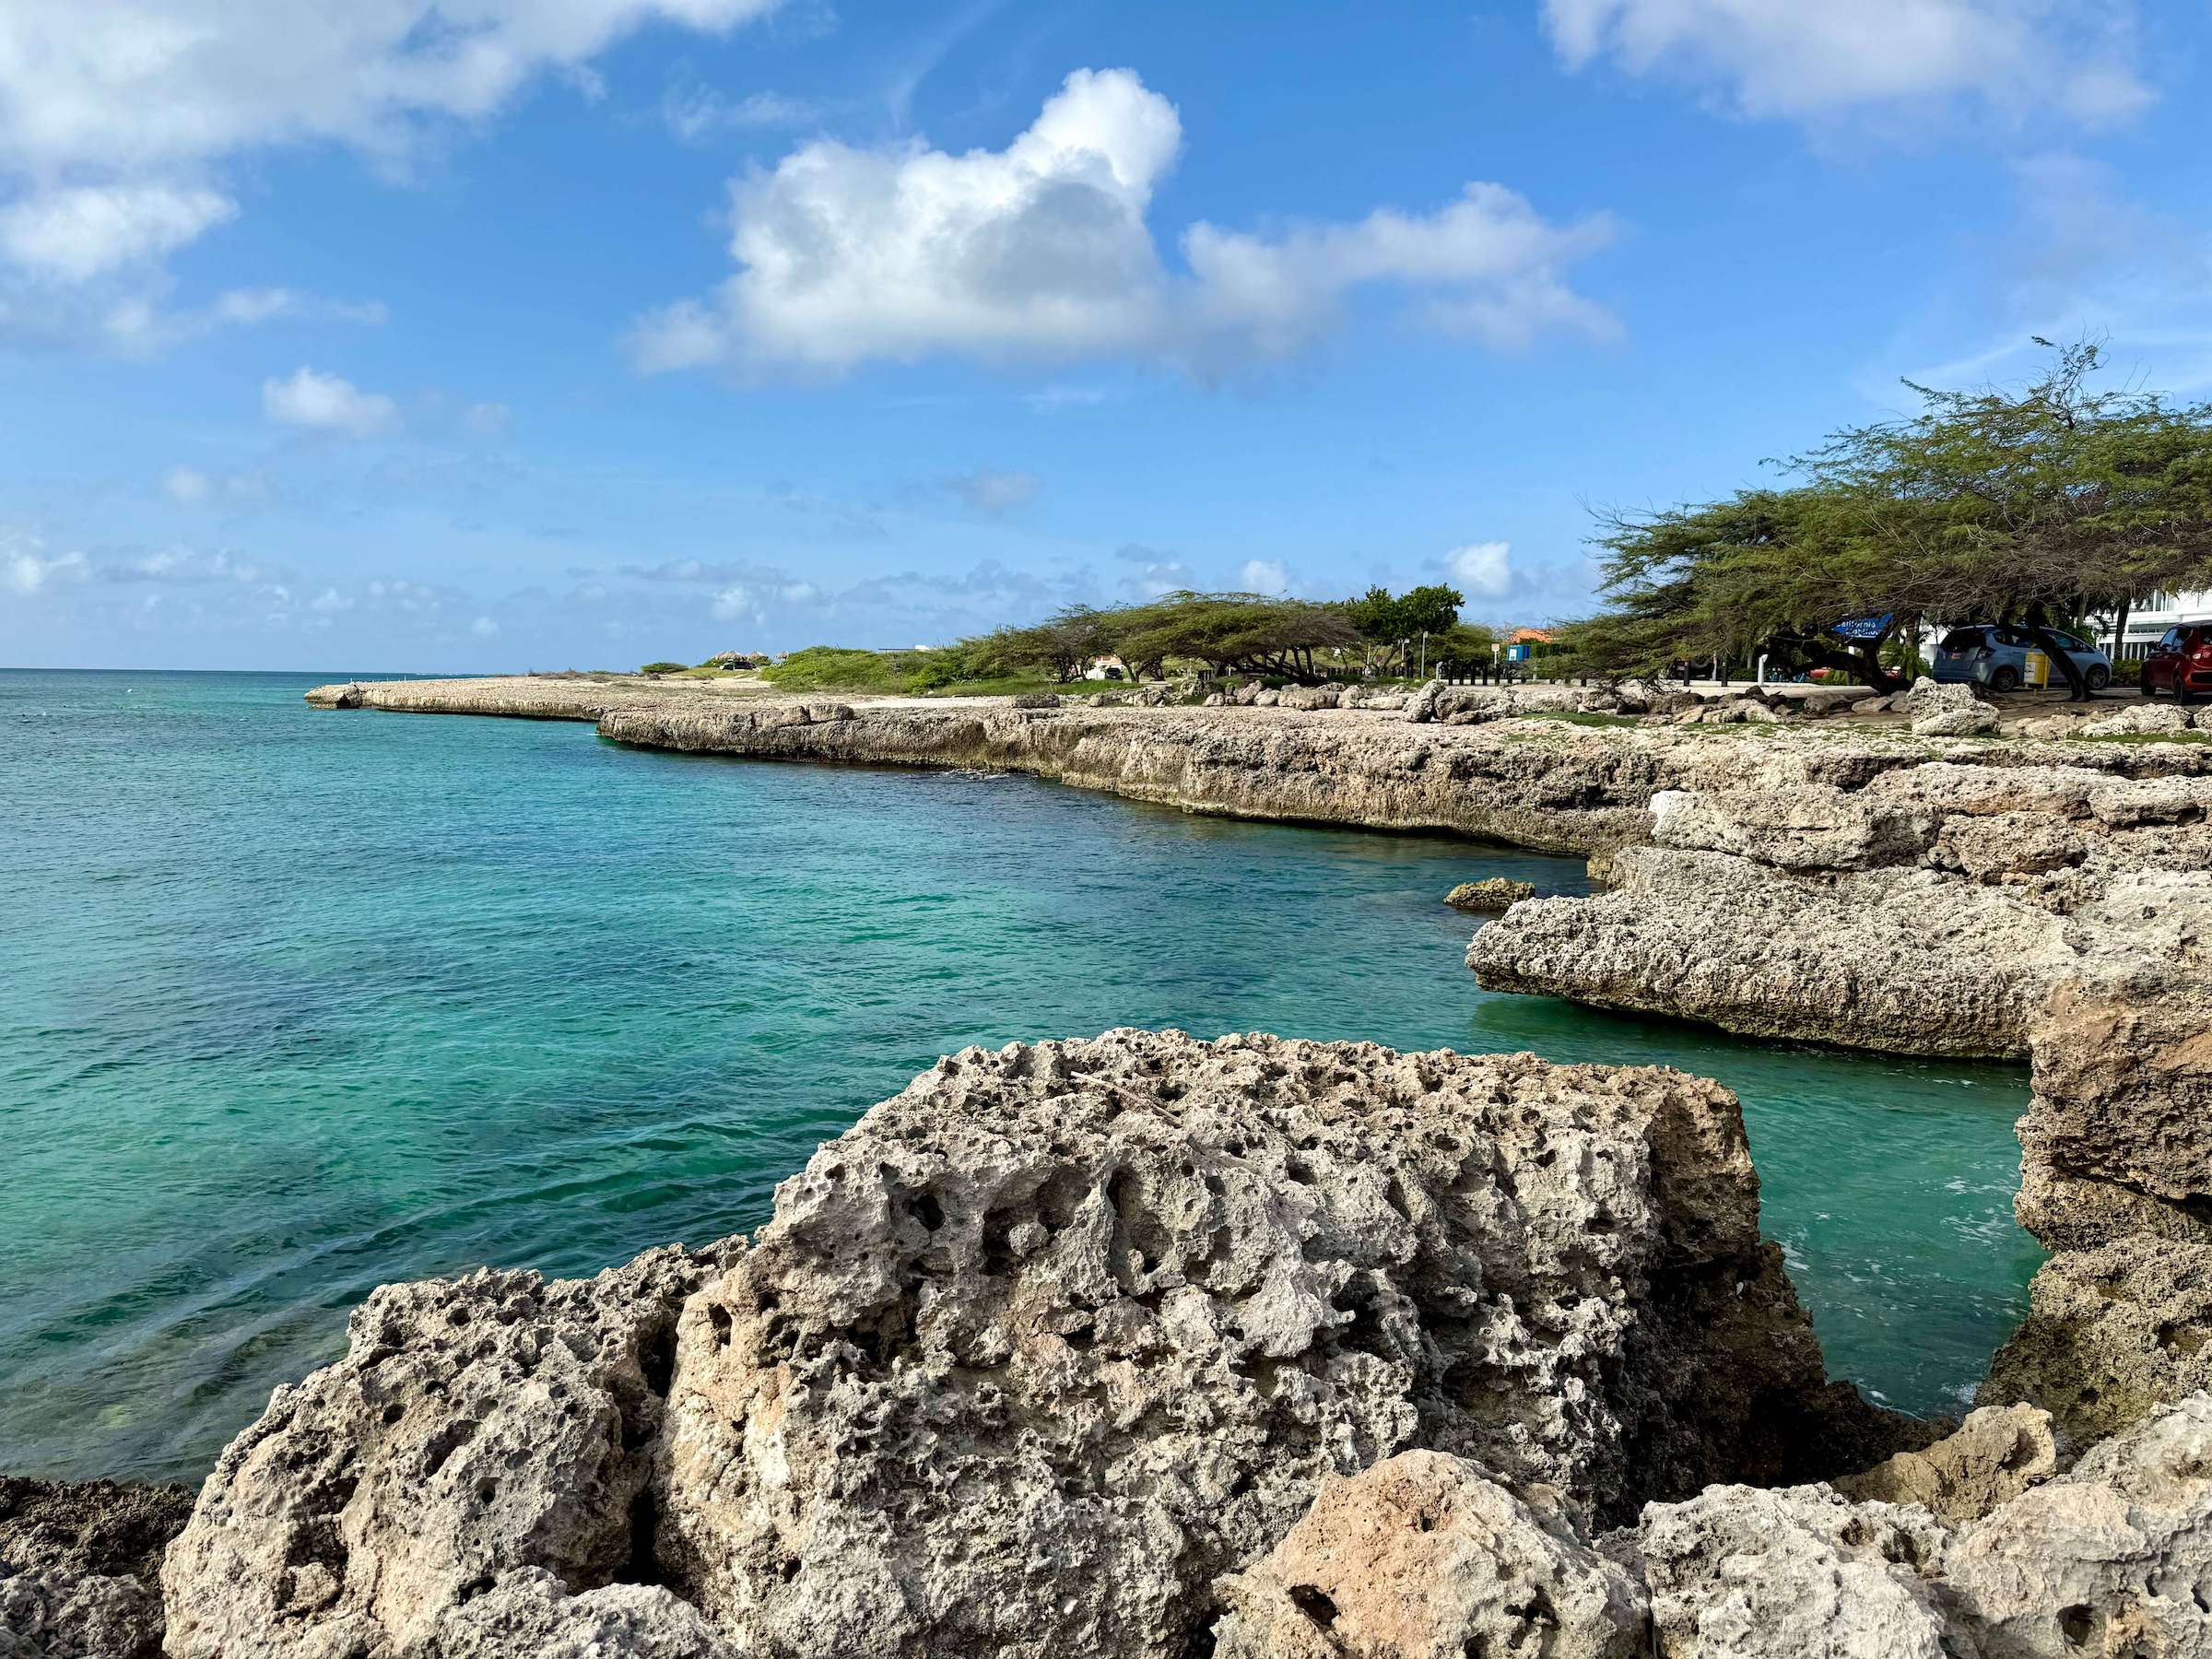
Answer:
[(2146, 737), (1577, 717)]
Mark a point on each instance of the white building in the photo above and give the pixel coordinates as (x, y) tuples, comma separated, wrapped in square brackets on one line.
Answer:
[(2149, 620)]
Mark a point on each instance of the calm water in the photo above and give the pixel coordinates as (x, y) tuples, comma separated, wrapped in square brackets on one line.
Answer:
[(296, 1002)]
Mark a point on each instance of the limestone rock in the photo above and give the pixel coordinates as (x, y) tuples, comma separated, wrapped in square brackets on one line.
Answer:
[(477, 1427), (2138, 720), (1812, 827), (1036, 699), (1051, 1339), (1955, 722), (1799, 1573), (2110, 1334), (79, 1566), (1308, 697), (532, 1616), (1214, 700), (2124, 1084), (1491, 893), (1997, 1453), (1422, 1556), (2112, 1558)]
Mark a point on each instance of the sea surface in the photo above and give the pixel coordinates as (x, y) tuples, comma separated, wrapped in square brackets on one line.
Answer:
[(296, 1002)]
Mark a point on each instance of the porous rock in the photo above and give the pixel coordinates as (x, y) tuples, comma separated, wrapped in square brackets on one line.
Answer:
[(1997, 1453), (2141, 720), (1740, 1572), (477, 1427), (1423, 1557), (79, 1566), (1491, 893), (1037, 700), (1054, 1337)]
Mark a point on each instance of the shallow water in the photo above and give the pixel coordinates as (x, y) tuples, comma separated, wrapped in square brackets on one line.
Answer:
[(300, 1002)]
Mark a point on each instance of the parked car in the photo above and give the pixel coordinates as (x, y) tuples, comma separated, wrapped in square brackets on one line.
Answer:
[(1997, 655), (2180, 663)]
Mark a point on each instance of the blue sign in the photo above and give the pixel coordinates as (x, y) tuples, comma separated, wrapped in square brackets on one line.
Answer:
[(1864, 627)]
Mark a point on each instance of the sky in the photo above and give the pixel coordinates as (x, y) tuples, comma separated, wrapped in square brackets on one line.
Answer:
[(497, 335)]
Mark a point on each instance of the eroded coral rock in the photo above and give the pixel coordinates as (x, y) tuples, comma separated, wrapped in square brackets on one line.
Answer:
[(1054, 1337), (1423, 1557), (1997, 1453), (477, 1427), (78, 1567), (1491, 893)]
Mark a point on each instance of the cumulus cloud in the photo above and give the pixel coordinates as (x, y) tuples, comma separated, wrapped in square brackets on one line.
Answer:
[(994, 494), (1789, 58), (1482, 567), (1041, 250), (80, 233), (1155, 572), (326, 403), (115, 120), (28, 572), (1264, 576), (186, 486)]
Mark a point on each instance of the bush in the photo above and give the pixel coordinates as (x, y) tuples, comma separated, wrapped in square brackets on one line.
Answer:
[(662, 669)]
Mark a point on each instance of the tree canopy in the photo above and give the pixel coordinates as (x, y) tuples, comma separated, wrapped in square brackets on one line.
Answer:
[(2030, 507), (1252, 634)]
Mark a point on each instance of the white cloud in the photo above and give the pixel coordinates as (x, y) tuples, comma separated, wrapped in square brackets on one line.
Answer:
[(1263, 576), (186, 486), (1041, 250), (484, 628), (733, 601), (329, 601), (696, 113), (1804, 59), (1484, 568), (488, 419), (28, 572), (329, 404), (995, 494), (113, 117), (79, 232)]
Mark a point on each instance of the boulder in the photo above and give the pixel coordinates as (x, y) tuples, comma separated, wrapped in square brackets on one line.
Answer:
[(1423, 1557), (1267, 696), (1492, 893), (1308, 697), (1807, 826), (1214, 700), (477, 1429), (1037, 700), (1950, 711), (2138, 720), (1047, 1343), (1997, 1453)]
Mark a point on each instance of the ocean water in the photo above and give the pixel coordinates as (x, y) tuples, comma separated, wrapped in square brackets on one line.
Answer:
[(296, 1002)]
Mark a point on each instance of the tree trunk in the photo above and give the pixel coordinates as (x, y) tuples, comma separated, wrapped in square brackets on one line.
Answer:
[(2038, 626)]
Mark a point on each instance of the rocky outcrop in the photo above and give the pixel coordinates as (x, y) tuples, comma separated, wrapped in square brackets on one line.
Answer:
[(1491, 893), (79, 1566), (481, 1434), (1997, 1453), (1424, 1555), (1029, 1358)]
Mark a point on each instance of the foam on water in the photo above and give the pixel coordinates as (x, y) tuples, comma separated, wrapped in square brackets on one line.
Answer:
[(300, 1002)]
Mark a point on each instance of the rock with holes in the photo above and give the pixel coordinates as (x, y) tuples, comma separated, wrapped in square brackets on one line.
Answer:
[(531, 1614), (2141, 720), (1997, 1453), (78, 1567), (1053, 1338), (2113, 1558), (1491, 894), (477, 1427), (1423, 1557), (1798, 1573)]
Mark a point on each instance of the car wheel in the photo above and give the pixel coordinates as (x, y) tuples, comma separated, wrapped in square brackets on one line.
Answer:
[(2004, 679), (2099, 677), (2145, 686), (2182, 694)]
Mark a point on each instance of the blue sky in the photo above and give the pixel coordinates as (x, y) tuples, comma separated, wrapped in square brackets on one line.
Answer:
[(509, 334)]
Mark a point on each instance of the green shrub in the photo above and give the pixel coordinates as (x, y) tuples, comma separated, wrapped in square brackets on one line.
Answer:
[(662, 669)]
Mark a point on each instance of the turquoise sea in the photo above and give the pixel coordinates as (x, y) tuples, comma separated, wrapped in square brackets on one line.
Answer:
[(294, 1001)]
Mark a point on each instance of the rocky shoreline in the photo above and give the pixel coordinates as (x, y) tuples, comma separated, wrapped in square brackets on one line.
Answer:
[(1145, 1345)]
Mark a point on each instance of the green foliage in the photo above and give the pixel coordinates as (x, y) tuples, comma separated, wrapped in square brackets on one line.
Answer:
[(664, 668), (2024, 506), (835, 668)]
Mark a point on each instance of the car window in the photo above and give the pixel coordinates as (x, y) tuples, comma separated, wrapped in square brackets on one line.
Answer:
[(2011, 636), (2066, 641), (2173, 642), (1962, 639)]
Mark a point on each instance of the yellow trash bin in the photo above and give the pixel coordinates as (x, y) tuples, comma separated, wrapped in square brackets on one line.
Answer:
[(2036, 670)]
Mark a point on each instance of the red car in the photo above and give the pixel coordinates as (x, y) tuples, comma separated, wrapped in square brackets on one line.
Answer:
[(2180, 663)]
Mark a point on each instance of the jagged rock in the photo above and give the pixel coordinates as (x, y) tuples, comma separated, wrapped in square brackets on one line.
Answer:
[(79, 1564), (2004, 845), (1422, 1556), (2138, 720), (1950, 711), (1800, 1573), (532, 1616), (1267, 696), (1491, 893), (1422, 707), (2112, 1558), (1308, 697), (2110, 1334), (477, 1427), (1051, 1339), (1997, 1453), (1214, 700), (1036, 699), (1811, 827), (2124, 1087), (1838, 958)]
